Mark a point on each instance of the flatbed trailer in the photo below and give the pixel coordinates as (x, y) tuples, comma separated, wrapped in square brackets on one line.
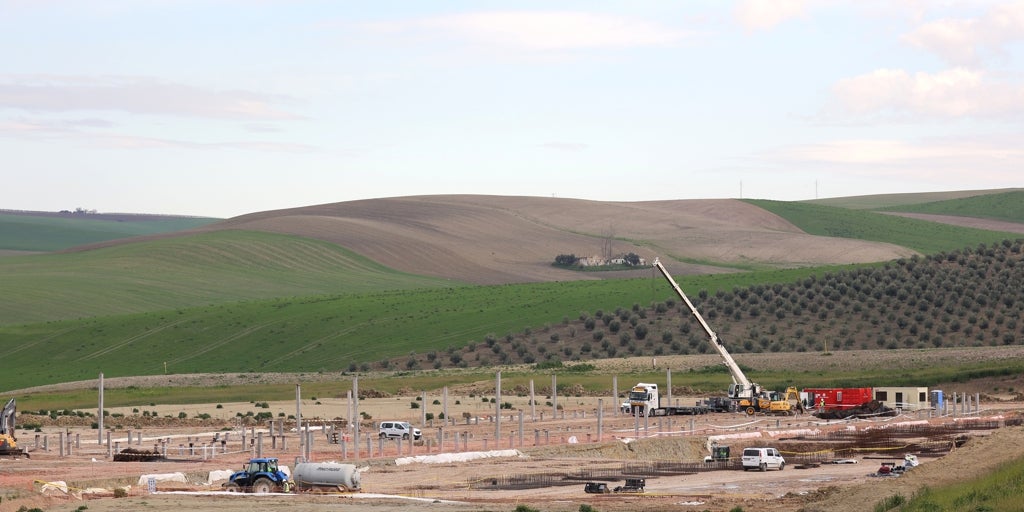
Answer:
[(686, 410), (683, 411)]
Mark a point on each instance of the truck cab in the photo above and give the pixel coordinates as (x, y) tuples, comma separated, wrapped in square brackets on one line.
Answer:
[(644, 397)]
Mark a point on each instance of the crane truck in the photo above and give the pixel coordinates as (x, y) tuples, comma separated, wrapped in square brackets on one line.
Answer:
[(751, 397)]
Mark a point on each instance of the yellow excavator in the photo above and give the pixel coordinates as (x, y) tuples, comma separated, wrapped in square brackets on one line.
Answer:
[(8, 444), (771, 402)]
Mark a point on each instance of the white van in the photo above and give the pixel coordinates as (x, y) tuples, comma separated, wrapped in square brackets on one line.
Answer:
[(762, 459), (399, 430)]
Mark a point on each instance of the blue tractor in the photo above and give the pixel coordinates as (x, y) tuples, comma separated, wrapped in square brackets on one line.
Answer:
[(259, 476)]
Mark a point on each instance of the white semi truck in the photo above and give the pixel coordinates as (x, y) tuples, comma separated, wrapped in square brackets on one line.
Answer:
[(644, 400)]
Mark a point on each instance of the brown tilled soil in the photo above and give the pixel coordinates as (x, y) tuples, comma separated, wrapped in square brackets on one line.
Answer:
[(505, 239), (499, 239)]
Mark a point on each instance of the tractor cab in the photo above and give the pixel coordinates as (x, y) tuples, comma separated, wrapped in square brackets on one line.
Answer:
[(260, 476)]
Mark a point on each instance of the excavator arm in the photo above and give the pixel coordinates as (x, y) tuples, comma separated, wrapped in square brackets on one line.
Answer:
[(8, 446), (742, 387), (7, 418)]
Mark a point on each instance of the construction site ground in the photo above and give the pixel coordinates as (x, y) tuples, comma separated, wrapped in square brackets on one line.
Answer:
[(547, 455)]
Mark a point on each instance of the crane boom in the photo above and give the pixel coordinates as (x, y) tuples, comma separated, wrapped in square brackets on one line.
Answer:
[(742, 387)]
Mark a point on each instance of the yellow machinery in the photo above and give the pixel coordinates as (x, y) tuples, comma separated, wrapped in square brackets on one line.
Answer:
[(787, 403)]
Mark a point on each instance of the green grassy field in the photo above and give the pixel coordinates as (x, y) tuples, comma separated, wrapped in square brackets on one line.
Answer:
[(208, 268), (879, 201), (43, 234), (321, 333), (1008, 206), (923, 236), (325, 333)]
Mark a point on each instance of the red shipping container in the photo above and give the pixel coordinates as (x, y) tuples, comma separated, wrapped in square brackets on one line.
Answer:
[(837, 398)]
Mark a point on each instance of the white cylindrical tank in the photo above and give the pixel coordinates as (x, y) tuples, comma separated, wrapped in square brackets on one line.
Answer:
[(326, 476)]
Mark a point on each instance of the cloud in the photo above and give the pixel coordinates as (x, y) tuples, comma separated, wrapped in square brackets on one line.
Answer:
[(765, 14), (38, 93), (995, 158), (959, 41), (951, 93), (539, 30), (71, 130)]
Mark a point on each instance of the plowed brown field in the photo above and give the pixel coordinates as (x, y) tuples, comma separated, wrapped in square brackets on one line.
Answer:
[(500, 239)]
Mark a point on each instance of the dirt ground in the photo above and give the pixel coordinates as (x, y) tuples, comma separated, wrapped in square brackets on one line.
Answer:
[(545, 450)]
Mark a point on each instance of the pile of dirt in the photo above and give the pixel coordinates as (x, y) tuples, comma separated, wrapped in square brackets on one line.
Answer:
[(866, 410), (654, 449)]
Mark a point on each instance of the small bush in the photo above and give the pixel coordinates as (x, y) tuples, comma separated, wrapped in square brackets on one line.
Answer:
[(890, 503)]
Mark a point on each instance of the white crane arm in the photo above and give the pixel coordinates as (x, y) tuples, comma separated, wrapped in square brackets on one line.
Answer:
[(743, 387)]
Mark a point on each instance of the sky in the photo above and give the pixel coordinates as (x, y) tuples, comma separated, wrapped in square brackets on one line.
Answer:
[(225, 107)]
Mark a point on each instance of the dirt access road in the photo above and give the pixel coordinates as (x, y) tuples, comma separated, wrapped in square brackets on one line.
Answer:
[(447, 486)]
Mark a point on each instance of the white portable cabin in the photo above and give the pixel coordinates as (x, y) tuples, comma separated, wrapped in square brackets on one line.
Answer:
[(905, 398)]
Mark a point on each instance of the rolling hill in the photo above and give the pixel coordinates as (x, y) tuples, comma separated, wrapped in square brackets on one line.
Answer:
[(27, 232), (498, 240), (304, 288)]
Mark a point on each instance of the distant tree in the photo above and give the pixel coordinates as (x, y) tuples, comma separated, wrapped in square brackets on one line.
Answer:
[(640, 331), (614, 326), (566, 260)]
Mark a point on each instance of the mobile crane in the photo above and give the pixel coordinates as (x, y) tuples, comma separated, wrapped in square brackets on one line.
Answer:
[(751, 397)]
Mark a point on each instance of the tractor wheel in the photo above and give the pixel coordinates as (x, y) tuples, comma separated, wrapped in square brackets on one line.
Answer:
[(263, 486), (232, 487), (750, 411)]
